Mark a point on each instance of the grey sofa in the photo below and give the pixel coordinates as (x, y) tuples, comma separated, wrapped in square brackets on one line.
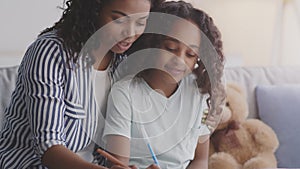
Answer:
[(273, 95), (8, 77)]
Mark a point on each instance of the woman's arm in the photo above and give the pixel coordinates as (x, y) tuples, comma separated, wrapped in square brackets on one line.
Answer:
[(59, 157), (201, 156), (45, 81)]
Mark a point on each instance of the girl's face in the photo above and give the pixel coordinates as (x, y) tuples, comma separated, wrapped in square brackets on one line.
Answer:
[(127, 20), (182, 53)]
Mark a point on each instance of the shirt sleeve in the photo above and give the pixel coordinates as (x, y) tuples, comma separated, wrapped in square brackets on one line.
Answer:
[(202, 128), (119, 114), (44, 84)]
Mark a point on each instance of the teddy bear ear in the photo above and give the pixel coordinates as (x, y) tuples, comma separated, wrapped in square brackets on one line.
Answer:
[(236, 87), (237, 99)]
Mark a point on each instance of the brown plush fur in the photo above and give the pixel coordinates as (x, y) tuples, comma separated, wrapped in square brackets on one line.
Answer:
[(240, 143)]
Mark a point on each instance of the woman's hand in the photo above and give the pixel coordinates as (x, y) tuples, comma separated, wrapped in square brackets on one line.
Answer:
[(153, 166), (120, 167)]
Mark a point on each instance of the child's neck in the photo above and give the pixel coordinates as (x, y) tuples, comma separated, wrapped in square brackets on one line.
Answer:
[(161, 82)]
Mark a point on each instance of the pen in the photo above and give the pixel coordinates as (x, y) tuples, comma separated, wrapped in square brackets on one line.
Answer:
[(144, 133), (111, 158), (147, 141), (152, 154)]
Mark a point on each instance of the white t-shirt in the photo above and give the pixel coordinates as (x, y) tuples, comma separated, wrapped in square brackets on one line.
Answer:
[(172, 124), (102, 84)]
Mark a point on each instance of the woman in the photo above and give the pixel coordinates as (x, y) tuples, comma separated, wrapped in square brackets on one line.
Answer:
[(53, 110)]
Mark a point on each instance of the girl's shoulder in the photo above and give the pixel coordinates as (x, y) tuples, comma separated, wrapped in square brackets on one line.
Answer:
[(189, 81), (189, 84), (124, 82), (129, 84)]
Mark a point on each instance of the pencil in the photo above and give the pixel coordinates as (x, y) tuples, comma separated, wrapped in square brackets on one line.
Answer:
[(111, 158)]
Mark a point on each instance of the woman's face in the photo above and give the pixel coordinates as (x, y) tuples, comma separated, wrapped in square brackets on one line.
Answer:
[(179, 56), (127, 20)]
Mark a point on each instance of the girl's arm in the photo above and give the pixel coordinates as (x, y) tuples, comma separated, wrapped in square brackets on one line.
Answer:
[(119, 147), (201, 156), (118, 113)]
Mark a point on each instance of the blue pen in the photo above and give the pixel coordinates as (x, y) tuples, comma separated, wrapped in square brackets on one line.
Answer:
[(144, 133), (152, 154)]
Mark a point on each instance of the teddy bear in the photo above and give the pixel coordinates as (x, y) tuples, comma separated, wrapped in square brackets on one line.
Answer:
[(238, 142)]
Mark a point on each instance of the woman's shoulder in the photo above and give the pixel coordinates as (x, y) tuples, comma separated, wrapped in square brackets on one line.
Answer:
[(48, 45), (45, 41), (50, 36)]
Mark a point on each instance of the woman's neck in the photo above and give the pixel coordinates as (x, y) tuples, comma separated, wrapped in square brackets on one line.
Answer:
[(102, 63), (161, 82)]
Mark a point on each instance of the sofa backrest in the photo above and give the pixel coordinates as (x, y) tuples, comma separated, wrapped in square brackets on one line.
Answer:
[(247, 77), (8, 77), (250, 77)]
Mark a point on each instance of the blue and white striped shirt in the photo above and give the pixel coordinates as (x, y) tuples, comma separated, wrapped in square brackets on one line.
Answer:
[(53, 104)]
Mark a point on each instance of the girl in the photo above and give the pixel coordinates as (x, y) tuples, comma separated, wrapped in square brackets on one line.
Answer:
[(53, 111), (162, 107)]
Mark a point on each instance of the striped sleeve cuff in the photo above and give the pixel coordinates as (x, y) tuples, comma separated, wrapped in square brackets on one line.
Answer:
[(43, 147)]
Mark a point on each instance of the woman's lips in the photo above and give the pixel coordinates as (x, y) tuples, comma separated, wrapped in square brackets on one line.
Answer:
[(123, 45)]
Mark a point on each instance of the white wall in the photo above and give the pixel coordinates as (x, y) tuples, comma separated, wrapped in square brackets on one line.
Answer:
[(290, 52), (247, 27), (21, 22), (251, 30)]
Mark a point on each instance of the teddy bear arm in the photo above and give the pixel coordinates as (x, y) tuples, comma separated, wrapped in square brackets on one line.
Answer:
[(223, 160), (262, 160), (212, 149), (262, 134)]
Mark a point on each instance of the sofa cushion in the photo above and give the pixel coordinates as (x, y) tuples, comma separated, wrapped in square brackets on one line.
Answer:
[(249, 77), (8, 77), (279, 107)]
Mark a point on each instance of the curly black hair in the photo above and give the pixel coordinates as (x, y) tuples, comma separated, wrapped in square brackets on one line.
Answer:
[(211, 63), (79, 21)]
